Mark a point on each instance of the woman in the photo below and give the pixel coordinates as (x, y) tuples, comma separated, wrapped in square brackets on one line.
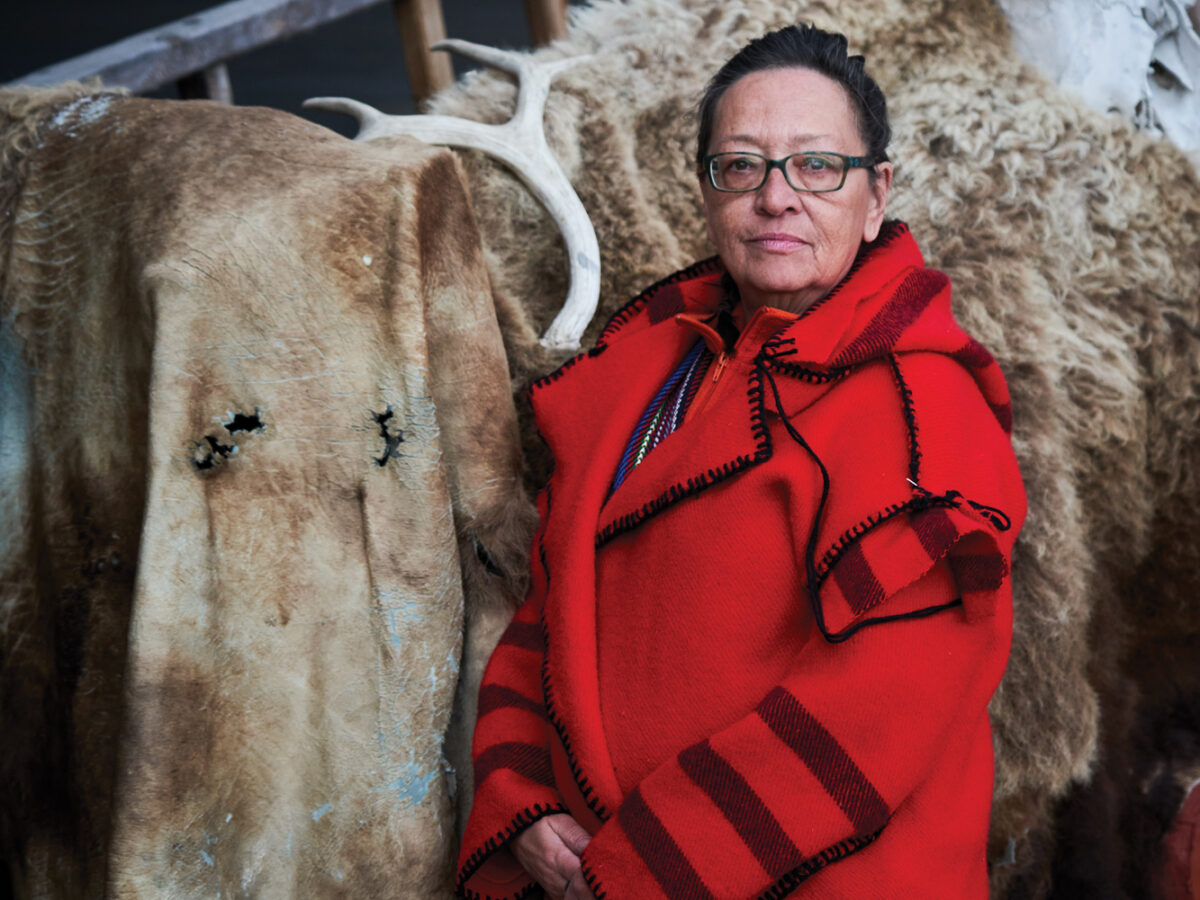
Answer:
[(757, 654)]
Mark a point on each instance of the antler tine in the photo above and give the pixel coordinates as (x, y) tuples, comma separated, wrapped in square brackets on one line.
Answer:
[(534, 76), (519, 143), (368, 117), (506, 60)]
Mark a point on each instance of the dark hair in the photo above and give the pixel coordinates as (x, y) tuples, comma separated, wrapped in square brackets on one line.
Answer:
[(803, 47)]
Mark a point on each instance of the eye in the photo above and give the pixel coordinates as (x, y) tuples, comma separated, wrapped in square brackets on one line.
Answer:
[(814, 163), (741, 164)]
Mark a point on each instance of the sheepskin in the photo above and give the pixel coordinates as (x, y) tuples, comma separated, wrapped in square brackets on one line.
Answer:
[(257, 434), (1073, 243)]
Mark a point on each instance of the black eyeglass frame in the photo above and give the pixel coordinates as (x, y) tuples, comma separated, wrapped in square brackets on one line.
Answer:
[(849, 162)]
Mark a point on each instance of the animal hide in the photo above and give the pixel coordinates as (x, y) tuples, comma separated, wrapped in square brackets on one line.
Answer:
[(1072, 242), (257, 435)]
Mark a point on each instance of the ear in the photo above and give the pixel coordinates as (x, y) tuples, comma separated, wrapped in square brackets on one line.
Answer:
[(880, 187)]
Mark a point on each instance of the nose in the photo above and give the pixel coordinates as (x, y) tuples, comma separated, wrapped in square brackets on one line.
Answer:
[(776, 196)]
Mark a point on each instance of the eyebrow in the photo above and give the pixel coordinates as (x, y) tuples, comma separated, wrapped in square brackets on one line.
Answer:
[(793, 139)]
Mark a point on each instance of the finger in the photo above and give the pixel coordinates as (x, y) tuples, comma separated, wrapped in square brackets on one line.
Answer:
[(562, 879), (564, 863), (542, 853), (577, 888), (574, 835)]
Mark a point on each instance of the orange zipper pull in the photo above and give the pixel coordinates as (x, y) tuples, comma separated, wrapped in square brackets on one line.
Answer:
[(720, 367)]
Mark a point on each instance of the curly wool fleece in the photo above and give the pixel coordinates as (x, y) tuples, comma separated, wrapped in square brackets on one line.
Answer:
[(1072, 242)]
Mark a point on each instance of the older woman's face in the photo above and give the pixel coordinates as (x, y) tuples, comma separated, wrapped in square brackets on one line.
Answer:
[(784, 248)]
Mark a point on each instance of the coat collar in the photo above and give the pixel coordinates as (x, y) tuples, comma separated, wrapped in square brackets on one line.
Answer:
[(587, 409)]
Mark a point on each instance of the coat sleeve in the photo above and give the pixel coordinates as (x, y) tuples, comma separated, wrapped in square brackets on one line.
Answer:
[(817, 769), (514, 782)]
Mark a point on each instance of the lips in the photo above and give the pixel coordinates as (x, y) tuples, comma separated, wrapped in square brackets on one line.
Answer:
[(777, 241)]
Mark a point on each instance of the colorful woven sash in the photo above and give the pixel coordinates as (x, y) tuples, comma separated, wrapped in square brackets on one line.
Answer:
[(665, 412)]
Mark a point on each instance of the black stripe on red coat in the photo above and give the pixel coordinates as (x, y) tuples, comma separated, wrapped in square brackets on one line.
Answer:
[(856, 580), (978, 571), (887, 325), (742, 807), (973, 355), (528, 760), (665, 303), (826, 759), (935, 531), (497, 696), (658, 850), (527, 635)]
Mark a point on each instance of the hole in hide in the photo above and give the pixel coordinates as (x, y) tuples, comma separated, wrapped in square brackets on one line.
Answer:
[(391, 442), (243, 422), (212, 453)]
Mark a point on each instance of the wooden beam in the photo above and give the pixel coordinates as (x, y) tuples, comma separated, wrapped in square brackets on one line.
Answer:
[(421, 24), (547, 20), (166, 54)]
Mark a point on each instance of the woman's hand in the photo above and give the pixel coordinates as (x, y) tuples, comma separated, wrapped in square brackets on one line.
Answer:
[(577, 888), (549, 850)]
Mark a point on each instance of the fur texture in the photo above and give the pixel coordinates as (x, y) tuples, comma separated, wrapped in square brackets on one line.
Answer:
[(256, 435), (1072, 242)]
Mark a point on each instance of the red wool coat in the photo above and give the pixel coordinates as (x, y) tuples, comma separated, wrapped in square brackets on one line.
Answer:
[(762, 665)]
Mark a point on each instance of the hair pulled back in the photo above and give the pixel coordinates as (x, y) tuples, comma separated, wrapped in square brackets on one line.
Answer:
[(803, 47)]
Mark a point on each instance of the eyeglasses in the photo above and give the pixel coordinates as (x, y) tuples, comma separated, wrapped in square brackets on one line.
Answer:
[(814, 172)]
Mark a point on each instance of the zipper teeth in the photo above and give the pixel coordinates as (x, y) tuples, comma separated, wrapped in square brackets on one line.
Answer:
[(722, 361), (703, 399)]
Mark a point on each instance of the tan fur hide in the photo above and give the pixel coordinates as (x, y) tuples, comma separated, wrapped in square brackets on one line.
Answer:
[(1071, 240), (230, 647), (1074, 246)]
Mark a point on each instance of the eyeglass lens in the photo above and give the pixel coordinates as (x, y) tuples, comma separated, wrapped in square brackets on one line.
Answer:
[(804, 171)]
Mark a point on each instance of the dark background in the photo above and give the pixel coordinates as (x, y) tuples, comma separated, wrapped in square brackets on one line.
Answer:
[(359, 56)]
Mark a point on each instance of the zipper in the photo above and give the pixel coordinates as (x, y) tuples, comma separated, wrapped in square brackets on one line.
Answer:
[(719, 366), (704, 397), (752, 336)]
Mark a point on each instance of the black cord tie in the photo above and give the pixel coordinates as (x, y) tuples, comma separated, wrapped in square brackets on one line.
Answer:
[(997, 517), (923, 501), (810, 551)]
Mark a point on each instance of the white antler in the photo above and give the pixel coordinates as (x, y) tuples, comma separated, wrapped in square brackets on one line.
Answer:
[(520, 143)]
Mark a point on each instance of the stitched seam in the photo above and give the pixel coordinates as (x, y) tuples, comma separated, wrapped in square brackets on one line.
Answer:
[(558, 373), (634, 306), (621, 317), (704, 480), (888, 232), (581, 781), (910, 420), (858, 531), (592, 881), (813, 376), (520, 822), (839, 851)]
